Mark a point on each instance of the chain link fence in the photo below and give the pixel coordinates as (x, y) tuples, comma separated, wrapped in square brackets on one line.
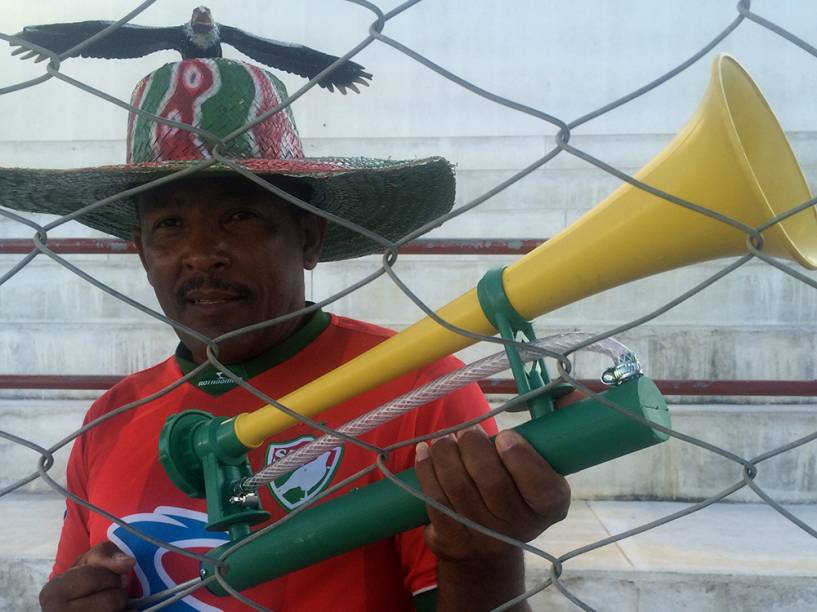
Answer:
[(378, 34)]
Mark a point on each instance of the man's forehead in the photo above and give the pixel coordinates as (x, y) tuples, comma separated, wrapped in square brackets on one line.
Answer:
[(183, 193), (212, 190)]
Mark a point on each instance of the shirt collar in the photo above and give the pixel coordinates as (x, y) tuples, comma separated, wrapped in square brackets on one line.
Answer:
[(214, 382)]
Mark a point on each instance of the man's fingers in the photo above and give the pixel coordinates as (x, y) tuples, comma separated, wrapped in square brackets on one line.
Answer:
[(507, 487), (429, 483), (545, 491), (426, 476), (98, 582), (495, 485), (456, 482), (79, 582), (111, 600)]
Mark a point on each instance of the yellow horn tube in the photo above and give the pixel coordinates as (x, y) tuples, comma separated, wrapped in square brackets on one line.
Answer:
[(732, 157)]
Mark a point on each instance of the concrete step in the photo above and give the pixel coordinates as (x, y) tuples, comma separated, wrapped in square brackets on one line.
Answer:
[(677, 352), (44, 422), (678, 470), (724, 557), (674, 470), (756, 324), (755, 294), (84, 348)]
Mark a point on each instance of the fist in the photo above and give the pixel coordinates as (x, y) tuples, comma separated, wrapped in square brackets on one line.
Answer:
[(98, 581), (505, 486)]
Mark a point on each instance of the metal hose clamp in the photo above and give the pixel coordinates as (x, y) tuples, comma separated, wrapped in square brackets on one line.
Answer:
[(626, 367)]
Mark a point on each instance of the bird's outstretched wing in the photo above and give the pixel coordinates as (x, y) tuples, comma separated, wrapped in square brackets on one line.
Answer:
[(297, 59), (126, 42)]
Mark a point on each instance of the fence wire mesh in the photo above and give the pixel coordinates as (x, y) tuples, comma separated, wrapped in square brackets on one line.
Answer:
[(377, 34)]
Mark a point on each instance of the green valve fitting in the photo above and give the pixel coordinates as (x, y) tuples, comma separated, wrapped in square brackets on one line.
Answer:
[(204, 458)]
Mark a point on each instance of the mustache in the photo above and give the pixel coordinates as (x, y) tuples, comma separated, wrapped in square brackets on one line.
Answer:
[(206, 281)]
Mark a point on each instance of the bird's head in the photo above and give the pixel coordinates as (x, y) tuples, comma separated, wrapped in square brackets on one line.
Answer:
[(202, 20)]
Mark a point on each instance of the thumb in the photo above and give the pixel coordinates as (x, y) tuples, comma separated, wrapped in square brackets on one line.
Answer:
[(107, 555)]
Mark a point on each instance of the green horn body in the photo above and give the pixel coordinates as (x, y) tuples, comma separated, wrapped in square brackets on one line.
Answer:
[(571, 439)]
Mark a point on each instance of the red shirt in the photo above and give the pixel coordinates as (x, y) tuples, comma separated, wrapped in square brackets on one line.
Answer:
[(115, 466)]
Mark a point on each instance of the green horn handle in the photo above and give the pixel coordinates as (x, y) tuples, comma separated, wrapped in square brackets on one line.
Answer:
[(571, 439)]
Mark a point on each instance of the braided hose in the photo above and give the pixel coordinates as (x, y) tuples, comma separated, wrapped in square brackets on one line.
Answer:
[(429, 392)]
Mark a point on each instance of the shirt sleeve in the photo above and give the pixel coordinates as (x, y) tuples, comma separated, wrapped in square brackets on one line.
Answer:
[(74, 537), (418, 561)]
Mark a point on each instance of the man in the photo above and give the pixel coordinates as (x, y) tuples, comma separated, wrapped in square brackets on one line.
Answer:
[(223, 253)]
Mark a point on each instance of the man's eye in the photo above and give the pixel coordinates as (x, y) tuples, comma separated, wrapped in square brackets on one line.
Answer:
[(167, 222), (242, 215)]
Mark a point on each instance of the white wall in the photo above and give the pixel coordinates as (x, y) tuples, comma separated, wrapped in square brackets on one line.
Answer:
[(562, 58)]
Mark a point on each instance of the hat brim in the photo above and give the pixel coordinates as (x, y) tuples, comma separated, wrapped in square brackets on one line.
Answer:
[(389, 198)]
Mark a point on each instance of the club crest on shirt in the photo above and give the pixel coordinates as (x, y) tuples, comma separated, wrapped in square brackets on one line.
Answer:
[(302, 484), (179, 526)]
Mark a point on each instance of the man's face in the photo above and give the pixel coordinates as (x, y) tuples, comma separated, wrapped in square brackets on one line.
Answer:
[(221, 258)]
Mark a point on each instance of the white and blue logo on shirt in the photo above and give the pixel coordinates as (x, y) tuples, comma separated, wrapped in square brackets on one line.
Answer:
[(178, 526)]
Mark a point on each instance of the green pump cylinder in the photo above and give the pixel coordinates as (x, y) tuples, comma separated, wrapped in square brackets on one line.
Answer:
[(571, 439)]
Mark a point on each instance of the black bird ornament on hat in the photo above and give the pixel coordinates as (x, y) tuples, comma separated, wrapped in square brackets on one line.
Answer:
[(201, 37)]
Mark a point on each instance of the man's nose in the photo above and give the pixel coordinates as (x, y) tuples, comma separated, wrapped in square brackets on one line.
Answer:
[(205, 251)]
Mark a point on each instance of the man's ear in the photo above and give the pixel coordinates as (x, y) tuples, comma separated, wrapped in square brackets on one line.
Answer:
[(313, 232)]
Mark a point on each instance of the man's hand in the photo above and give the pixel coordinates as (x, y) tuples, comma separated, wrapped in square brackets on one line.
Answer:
[(507, 487), (98, 581)]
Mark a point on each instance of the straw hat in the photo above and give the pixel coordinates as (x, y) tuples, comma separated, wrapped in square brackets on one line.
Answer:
[(219, 95)]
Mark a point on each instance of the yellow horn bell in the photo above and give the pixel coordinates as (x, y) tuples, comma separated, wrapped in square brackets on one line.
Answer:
[(732, 158)]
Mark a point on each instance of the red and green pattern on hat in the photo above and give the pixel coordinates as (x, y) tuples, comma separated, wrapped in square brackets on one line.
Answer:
[(201, 93)]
